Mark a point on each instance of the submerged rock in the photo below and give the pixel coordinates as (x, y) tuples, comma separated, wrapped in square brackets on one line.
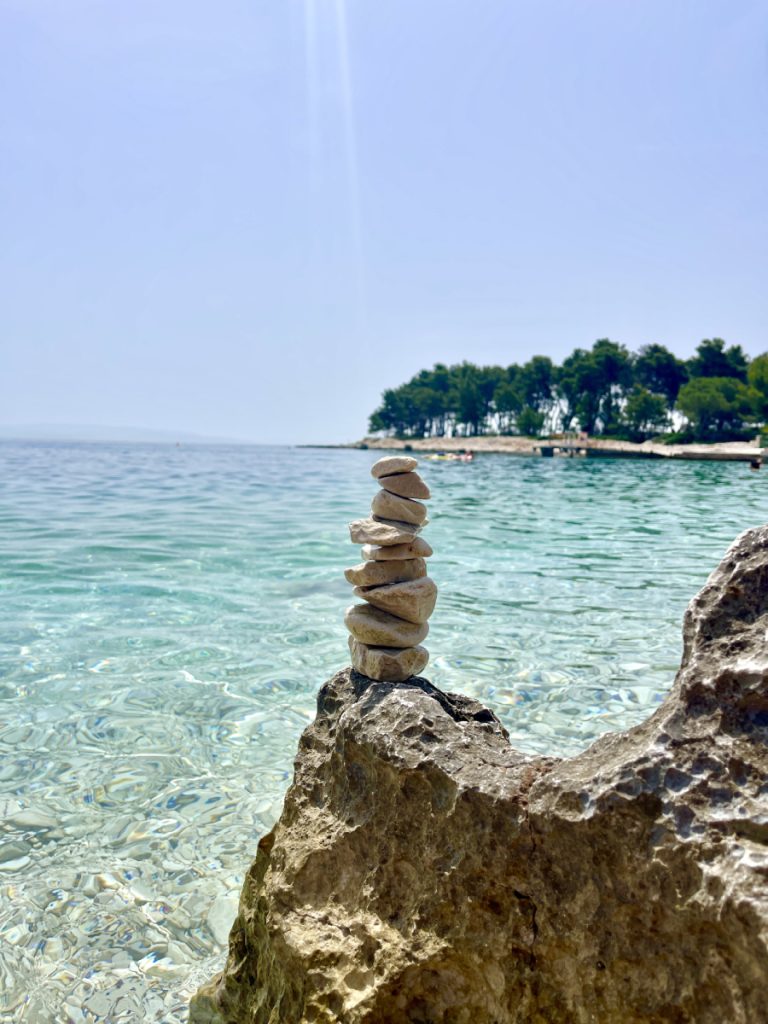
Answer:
[(424, 871)]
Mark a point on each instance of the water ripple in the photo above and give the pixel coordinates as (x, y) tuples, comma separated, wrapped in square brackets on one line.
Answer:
[(168, 615)]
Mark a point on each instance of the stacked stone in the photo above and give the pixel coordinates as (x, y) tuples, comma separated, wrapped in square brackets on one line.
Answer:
[(388, 629)]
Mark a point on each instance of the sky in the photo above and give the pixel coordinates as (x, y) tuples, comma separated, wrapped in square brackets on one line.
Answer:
[(247, 219)]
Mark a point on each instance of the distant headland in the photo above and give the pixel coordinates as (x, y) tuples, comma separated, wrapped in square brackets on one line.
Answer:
[(605, 393), (606, 402)]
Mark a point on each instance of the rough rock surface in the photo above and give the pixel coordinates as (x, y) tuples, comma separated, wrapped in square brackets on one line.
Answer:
[(424, 871)]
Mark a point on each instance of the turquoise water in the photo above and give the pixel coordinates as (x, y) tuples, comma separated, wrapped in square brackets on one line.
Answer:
[(168, 615)]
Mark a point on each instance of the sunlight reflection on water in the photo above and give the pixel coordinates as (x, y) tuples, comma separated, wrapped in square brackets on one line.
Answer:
[(169, 614)]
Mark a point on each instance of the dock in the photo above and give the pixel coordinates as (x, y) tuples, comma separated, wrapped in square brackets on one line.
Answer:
[(704, 452), (586, 451)]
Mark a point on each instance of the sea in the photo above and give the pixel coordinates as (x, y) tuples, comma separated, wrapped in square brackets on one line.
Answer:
[(169, 613)]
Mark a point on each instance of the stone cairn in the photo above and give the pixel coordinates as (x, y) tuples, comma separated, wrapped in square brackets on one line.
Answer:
[(388, 629)]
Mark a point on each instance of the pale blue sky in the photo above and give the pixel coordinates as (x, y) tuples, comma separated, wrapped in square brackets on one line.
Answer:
[(219, 218)]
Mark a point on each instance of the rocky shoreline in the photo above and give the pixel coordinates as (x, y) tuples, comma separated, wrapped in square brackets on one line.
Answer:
[(425, 872), (730, 451)]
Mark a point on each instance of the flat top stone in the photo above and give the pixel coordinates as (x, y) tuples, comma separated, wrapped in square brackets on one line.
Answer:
[(393, 464)]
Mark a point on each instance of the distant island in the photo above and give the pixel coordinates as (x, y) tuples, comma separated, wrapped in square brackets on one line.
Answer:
[(607, 392)]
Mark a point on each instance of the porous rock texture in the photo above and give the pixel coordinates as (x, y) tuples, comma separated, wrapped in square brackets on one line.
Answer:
[(424, 871)]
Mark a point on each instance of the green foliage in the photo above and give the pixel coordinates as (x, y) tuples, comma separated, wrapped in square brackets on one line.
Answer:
[(530, 421), (757, 376), (716, 407), (660, 372), (508, 401), (645, 414), (593, 384), (605, 390), (537, 381), (713, 359)]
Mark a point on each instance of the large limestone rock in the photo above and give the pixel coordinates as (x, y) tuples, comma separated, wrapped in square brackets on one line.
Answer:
[(424, 871)]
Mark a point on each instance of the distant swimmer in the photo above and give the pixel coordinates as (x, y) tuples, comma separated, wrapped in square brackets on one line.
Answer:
[(756, 463), (460, 456)]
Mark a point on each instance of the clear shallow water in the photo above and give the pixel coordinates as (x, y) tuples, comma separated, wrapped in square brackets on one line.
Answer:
[(168, 615)]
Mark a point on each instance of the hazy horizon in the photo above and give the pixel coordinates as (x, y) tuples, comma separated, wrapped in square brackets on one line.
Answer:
[(248, 222), (103, 432)]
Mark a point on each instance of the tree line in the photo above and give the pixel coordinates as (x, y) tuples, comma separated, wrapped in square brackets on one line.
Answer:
[(718, 394)]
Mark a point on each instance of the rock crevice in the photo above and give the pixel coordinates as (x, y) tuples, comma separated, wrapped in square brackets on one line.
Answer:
[(424, 871)]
